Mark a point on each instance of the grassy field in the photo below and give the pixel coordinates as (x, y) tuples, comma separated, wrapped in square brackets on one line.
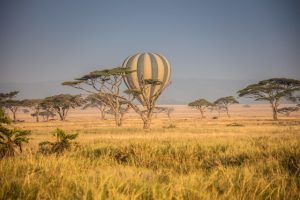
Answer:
[(247, 156)]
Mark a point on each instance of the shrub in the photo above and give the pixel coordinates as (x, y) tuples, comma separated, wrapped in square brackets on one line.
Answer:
[(10, 139), (3, 117), (63, 143)]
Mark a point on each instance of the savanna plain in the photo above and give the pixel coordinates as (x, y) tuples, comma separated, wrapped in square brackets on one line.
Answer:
[(246, 156)]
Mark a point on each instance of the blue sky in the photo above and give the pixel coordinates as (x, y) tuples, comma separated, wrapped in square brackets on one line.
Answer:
[(46, 42)]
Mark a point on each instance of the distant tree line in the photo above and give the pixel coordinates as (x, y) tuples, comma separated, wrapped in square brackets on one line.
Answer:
[(105, 95), (274, 91), (45, 108), (219, 105)]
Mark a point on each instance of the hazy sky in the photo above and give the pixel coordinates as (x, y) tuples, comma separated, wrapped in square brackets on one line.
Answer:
[(52, 41)]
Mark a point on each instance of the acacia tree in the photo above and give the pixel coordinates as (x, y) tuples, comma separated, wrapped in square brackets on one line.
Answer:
[(4, 118), (170, 110), (8, 102), (106, 83), (201, 105), (271, 90), (63, 102), (34, 104), (47, 109), (167, 110), (124, 108), (97, 101), (148, 105), (13, 106), (224, 103)]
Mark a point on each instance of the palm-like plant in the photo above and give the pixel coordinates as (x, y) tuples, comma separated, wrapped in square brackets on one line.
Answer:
[(3, 117), (11, 139), (63, 142)]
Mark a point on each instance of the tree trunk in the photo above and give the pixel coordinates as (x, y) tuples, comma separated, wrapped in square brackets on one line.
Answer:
[(61, 116), (274, 105), (13, 111), (227, 112), (147, 123), (102, 114), (14, 116), (147, 119), (118, 119), (274, 113), (37, 115), (202, 115)]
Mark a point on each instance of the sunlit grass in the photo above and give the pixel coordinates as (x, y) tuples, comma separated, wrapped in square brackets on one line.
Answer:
[(192, 159)]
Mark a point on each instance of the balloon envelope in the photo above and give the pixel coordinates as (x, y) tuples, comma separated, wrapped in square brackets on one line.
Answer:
[(147, 66)]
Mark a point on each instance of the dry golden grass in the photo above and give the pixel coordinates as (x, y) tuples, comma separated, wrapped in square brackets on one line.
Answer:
[(247, 156)]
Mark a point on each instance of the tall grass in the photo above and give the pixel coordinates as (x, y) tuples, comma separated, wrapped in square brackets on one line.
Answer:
[(266, 167)]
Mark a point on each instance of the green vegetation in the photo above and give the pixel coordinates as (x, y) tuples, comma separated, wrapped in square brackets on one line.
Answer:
[(3, 117), (10, 139), (62, 143), (201, 105), (7, 101), (223, 103), (62, 103), (272, 90)]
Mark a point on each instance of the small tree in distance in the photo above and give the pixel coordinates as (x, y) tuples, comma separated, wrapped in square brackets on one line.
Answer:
[(4, 118), (34, 104), (96, 101), (201, 105), (62, 103), (224, 103), (271, 90), (105, 84), (167, 110), (7, 101)]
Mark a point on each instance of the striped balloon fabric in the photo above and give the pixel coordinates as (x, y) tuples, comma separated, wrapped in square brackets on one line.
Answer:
[(148, 66)]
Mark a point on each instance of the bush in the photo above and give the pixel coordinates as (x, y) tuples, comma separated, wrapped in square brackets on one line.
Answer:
[(11, 139), (3, 117), (63, 143)]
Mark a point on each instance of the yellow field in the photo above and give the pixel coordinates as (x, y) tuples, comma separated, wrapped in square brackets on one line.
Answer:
[(247, 156)]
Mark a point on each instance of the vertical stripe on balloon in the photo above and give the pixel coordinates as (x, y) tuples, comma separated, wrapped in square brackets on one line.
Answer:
[(131, 65), (154, 74), (166, 72)]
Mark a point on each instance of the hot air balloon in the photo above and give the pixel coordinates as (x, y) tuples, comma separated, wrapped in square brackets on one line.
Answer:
[(151, 75)]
